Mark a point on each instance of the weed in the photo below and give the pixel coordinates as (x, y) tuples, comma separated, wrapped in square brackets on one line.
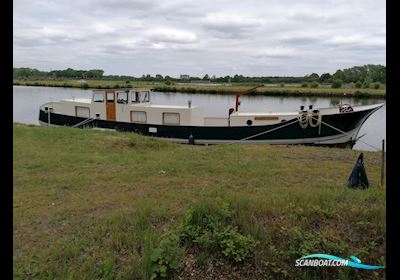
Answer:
[(166, 257)]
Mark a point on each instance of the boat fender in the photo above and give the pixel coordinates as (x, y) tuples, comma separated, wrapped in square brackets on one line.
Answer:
[(191, 139), (249, 122), (315, 115), (303, 119)]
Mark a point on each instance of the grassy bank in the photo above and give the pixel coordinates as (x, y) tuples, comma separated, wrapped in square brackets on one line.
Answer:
[(113, 205), (287, 90)]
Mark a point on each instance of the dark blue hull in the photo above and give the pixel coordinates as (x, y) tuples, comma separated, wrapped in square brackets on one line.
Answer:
[(283, 133)]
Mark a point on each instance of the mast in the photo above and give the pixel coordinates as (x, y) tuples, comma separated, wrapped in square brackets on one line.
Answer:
[(238, 94)]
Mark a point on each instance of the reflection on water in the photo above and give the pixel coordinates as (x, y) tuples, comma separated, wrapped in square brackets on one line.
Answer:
[(27, 100)]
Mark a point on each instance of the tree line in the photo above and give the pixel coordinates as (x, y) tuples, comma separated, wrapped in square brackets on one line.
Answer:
[(360, 75)]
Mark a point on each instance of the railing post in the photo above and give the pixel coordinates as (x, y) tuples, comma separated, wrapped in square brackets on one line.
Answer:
[(383, 161)]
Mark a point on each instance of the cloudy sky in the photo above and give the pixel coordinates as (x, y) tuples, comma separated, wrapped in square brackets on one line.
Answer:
[(218, 37)]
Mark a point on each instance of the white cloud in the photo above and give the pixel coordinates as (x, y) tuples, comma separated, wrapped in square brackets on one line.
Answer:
[(230, 25), (255, 37), (169, 35)]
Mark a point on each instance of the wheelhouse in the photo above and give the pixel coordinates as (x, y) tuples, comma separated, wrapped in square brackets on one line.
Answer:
[(123, 96)]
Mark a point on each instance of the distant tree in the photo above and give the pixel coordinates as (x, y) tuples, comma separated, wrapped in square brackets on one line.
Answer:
[(337, 83), (339, 75), (325, 77), (313, 77)]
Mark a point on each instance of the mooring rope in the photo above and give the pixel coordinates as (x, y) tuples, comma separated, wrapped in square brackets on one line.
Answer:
[(305, 119), (341, 131), (264, 132), (299, 119)]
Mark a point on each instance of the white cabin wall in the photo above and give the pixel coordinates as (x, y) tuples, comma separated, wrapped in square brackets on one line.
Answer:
[(122, 112), (155, 115), (187, 116), (242, 120), (68, 108), (98, 108), (197, 116)]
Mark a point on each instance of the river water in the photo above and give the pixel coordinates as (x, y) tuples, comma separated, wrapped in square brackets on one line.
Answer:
[(27, 100)]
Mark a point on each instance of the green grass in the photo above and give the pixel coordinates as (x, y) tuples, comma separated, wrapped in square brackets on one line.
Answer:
[(287, 90), (94, 205)]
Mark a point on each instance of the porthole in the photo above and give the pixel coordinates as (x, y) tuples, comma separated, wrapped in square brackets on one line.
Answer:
[(249, 122)]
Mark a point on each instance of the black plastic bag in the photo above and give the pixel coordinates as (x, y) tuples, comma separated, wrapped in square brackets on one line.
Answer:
[(358, 177)]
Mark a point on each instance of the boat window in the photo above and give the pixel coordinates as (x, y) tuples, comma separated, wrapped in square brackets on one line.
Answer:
[(98, 97), (135, 97), (146, 96), (122, 97), (82, 112), (171, 118), (138, 116), (110, 97)]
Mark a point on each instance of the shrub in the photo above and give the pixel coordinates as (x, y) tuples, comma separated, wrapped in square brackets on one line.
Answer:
[(304, 85), (168, 83), (377, 85), (314, 85), (166, 258), (235, 245), (337, 84), (209, 226), (365, 84), (358, 84), (282, 85), (358, 93)]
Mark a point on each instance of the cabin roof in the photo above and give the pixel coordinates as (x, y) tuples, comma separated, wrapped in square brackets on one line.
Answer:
[(122, 89), (249, 114), (81, 100), (163, 106)]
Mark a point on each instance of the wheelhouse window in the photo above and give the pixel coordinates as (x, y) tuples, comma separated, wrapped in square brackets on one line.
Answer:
[(82, 112), (135, 97), (122, 97), (140, 96), (138, 116), (98, 97), (146, 96), (171, 118)]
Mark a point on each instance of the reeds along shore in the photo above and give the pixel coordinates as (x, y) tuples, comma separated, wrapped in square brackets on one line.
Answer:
[(286, 90)]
